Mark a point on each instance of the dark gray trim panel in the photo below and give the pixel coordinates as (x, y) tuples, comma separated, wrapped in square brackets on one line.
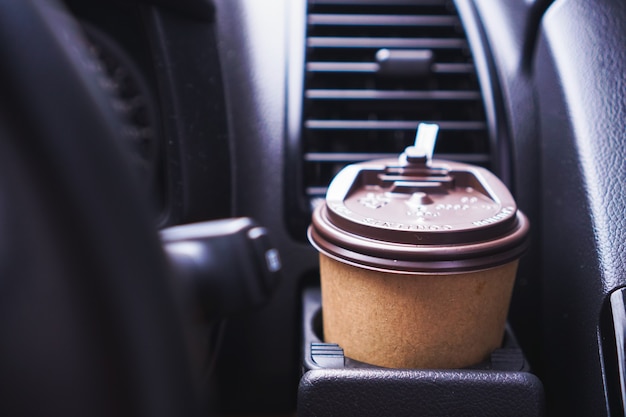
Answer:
[(580, 70), (258, 368)]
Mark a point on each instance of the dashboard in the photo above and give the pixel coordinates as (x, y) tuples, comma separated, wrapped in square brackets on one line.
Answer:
[(230, 109)]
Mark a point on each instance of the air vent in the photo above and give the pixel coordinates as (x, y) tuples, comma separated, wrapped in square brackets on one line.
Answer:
[(374, 71)]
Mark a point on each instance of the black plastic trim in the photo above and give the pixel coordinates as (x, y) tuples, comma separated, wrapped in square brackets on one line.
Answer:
[(197, 148), (296, 203), (497, 123)]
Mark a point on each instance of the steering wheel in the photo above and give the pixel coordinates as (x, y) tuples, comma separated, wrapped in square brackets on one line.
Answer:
[(89, 323)]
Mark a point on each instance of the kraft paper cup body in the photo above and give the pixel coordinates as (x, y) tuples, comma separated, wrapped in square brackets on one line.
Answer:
[(415, 321), (408, 279)]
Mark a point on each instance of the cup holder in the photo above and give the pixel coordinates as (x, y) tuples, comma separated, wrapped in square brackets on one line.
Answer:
[(333, 384)]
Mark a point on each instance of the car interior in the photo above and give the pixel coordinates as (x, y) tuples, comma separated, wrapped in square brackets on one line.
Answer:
[(161, 161)]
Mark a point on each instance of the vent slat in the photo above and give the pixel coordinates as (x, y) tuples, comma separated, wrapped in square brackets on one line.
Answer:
[(372, 67), (316, 191), (369, 67), (377, 43), (460, 69), (379, 2), (319, 94), (345, 157), (390, 125), (380, 20), (360, 157)]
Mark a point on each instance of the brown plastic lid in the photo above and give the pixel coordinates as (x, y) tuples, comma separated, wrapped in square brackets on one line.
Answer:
[(413, 215)]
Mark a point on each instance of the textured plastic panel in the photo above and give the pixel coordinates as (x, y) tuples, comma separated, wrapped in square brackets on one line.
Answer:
[(424, 393), (580, 72)]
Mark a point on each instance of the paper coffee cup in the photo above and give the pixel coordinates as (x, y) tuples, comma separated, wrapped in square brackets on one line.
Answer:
[(417, 262)]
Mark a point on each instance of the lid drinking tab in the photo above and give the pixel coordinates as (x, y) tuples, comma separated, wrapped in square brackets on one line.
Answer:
[(422, 151)]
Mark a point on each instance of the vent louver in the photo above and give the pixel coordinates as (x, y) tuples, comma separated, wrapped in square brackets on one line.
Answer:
[(356, 109)]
